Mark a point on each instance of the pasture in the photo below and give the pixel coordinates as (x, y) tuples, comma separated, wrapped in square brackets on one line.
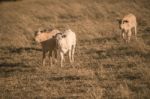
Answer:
[(105, 67)]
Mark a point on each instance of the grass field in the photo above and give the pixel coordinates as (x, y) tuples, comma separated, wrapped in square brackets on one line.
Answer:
[(105, 67)]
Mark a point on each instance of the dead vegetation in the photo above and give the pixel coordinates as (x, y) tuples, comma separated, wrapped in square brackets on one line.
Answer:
[(105, 66)]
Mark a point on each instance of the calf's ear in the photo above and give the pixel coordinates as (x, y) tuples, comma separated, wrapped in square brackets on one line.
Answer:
[(126, 21), (63, 36), (35, 33), (54, 36), (39, 31), (119, 20)]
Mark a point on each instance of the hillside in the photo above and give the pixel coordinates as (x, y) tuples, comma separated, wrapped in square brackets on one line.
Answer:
[(105, 67)]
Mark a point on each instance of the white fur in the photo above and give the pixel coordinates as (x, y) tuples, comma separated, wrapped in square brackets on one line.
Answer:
[(66, 43)]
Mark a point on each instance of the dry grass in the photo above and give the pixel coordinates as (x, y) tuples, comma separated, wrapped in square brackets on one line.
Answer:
[(105, 67)]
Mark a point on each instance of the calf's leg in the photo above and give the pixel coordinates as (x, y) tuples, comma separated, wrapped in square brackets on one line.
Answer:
[(61, 58), (73, 50), (50, 58), (123, 35), (55, 55), (70, 60), (129, 36), (135, 32), (44, 58)]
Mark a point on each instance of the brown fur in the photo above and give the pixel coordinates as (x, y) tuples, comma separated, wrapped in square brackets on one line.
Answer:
[(48, 43)]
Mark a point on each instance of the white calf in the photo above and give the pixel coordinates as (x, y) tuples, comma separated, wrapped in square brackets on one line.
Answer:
[(66, 42)]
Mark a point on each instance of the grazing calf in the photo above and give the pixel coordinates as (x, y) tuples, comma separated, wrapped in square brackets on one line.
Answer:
[(48, 43), (66, 42), (127, 24)]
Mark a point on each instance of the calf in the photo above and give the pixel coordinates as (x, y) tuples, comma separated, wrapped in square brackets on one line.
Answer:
[(66, 42), (45, 38), (127, 24)]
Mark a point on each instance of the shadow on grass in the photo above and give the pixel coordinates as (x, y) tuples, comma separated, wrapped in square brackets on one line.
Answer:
[(106, 39), (19, 50), (12, 65), (9, 0), (66, 97), (130, 75), (10, 69), (60, 78), (121, 52), (101, 40)]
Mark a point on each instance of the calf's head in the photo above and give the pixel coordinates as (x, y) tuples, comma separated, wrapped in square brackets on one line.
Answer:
[(37, 36), (41, 36), (59, 37), (123, 24)]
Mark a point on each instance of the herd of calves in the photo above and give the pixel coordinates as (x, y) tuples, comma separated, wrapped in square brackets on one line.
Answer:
[(55, 40)]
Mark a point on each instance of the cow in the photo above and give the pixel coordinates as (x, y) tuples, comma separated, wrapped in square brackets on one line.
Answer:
[(127, 24), (45, 38), (66, 42)]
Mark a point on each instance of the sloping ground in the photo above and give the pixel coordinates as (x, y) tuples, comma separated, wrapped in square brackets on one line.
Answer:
[(105, 66)]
